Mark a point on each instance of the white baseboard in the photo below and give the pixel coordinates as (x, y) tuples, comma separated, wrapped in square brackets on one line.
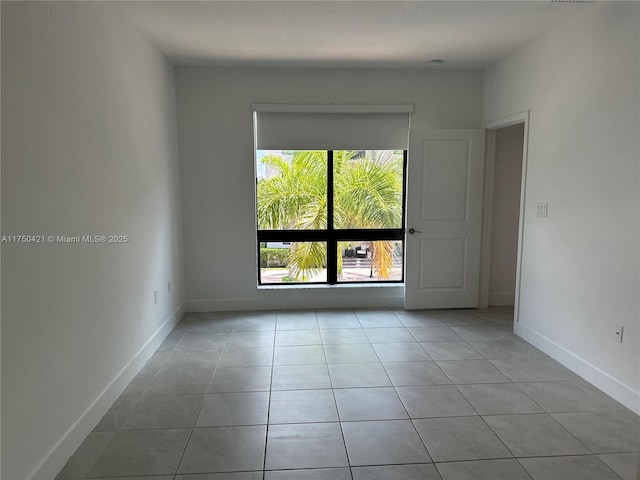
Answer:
[(347, 297), (499, 299), (53, 462), (624, 394)]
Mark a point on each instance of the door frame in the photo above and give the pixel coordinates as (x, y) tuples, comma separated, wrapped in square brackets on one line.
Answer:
[(487, 209)]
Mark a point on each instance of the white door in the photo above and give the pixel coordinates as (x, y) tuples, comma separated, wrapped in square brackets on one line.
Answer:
[(444, 210)]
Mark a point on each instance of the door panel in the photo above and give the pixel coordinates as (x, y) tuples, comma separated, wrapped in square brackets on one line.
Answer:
[(444, 180), (444, 206), (442, 263)]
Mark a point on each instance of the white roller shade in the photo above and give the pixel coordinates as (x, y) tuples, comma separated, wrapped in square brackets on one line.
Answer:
[(333, 127)]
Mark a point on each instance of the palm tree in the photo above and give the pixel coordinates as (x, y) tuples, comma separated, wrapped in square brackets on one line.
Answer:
[(294, 197), (367, 194)]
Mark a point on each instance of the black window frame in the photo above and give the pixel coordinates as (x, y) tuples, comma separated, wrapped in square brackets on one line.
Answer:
[(331, 236)]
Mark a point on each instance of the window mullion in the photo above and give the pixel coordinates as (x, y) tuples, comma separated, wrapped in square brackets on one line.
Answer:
[(332, 237), (332, 244)]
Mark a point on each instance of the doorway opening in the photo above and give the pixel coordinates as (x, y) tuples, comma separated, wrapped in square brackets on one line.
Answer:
[(503, 213)]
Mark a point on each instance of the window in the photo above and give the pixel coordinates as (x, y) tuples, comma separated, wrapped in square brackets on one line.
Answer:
[(330, 193), (330, 216)]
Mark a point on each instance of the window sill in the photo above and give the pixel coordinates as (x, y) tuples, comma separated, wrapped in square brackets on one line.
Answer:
[(326, 286)]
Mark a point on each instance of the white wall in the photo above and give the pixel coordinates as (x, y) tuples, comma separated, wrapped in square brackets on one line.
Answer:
[(506, 211), (580, 266), (217, 167), (89, 146)]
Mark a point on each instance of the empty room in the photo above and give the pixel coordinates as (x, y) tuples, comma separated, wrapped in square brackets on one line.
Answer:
[(320, 240)]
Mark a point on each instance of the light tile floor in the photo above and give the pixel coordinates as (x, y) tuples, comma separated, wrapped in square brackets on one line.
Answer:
[(357, 395)]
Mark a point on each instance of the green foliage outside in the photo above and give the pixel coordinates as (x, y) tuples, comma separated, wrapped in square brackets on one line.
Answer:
[(274, 257), (367, 194)]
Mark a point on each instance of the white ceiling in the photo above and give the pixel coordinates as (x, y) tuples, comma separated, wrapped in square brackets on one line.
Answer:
[(466, 34)]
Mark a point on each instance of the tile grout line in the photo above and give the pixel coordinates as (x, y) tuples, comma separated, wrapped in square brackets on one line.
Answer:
[(266, 433), (201, 407), (589, 451), (404, 406), (335, 402), (470, 404)]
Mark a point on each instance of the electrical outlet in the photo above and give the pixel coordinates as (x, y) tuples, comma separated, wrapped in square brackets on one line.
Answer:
[(155, 297), (542, 209), (168, 286), (617, 333)]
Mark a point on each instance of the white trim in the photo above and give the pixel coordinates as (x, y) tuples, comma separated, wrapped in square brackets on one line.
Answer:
[(383, 298), (621, 392), (53, 462), (330, 108), (326, 286), (522, 117), (487, 217)]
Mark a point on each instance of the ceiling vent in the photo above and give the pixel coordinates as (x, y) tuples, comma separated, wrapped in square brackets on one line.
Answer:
[(571, 1)]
